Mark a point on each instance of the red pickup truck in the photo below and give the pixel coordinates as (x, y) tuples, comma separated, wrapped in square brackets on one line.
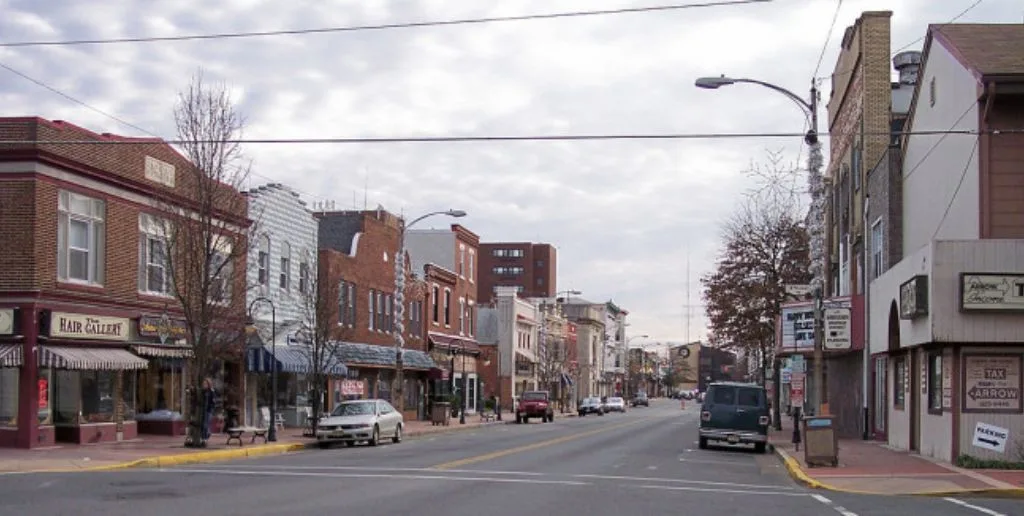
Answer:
[(535, 404)]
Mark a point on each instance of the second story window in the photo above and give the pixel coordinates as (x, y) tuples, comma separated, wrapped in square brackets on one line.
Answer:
[(286, 266), (263, 261), (462, 261), (462, 316), (434, 302), (373, 309), (303, 277), (472, 265), (154, 270), (81, 238), (381, 321), (221, 271), (447, 308)]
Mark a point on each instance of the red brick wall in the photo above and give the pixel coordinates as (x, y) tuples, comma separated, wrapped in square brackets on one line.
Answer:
[(18, 260)]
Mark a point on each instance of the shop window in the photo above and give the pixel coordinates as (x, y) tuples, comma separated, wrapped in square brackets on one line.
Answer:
[(935, 383), (129, 388), (412, 394), (89, 393), (899, 380), (881, 391), (45, 385), (9, 377)]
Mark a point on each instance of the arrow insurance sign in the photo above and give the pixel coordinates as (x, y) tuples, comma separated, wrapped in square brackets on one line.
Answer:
[(990, 437), (992, 383)]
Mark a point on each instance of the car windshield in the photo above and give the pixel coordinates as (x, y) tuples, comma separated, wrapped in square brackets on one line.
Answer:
[(591, 401), (614, 400), (535, 396), (354, 408)]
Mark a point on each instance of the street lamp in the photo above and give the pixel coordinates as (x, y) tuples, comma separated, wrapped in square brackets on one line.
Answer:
[(399, 309), (816, 229), (272, 432)]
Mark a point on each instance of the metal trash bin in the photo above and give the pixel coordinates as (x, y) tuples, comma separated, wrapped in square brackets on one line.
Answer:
[(821, 445), (441, 413)]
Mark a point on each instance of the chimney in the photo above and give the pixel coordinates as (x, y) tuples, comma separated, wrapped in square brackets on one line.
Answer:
[(908, 64)]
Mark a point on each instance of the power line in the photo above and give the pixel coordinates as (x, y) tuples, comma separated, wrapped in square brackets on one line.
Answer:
[(935, 145), (908, 45), (952, 199), (384, 26), (828, 37), (492, 139)]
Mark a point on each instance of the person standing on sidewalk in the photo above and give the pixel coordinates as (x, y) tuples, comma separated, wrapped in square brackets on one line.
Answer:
[(209, 400)]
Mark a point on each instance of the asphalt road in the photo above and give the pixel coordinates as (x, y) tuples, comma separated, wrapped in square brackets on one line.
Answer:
[(642, 462)]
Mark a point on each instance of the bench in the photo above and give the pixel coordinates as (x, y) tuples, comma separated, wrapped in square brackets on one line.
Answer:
[(235, 434), (487, 415)]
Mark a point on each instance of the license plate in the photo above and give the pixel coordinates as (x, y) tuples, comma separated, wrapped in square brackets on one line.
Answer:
[(733, 439)]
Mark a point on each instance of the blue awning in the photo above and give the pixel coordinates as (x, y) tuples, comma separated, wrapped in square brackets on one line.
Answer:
[(288, 359), (566, 379)]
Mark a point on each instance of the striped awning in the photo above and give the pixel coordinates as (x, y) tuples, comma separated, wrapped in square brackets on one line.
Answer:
[(162, 351), (289, 359), (99, 359), (11, 355)]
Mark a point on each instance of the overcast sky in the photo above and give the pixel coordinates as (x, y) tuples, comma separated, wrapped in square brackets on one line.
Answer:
[(626, 217)]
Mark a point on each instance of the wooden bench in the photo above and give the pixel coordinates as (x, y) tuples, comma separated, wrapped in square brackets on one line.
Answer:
[(235, 434), (487, 415)]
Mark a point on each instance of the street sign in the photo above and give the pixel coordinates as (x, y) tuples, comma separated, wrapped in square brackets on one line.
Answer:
[(796, 389), (787, 375), (990, 437), (798, 290), (837, 328)]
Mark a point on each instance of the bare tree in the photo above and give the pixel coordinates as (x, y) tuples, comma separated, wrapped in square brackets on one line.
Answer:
[(551, 361), (319, 325), (765, 248), (207, 237)]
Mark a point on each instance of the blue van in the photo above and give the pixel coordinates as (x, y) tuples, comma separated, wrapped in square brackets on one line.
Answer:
[(736, 413)]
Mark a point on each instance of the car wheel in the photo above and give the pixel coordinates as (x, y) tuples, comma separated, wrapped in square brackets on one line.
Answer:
[(582, 413), (526, 420), (600, 412), (350, 444), (324, 444), (374, 437), (398, 435), (760, 447), (702, 443)]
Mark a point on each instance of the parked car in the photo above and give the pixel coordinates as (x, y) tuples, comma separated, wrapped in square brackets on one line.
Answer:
[(736, 413), (535, 404), (640, 399), (591, 406), (366, 421), (616, 404)]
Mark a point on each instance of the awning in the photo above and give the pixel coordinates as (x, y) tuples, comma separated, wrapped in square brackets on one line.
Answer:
[(11, 355), (99, 359), (162, 351), (454, 343), (289, 359), (566, 379), (355, 354)]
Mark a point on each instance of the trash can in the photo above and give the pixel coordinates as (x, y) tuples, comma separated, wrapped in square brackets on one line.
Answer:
[(821, 446), (440, 413)]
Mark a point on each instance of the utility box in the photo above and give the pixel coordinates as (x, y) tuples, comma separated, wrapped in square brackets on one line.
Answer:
[(441, 413), (821, 446)]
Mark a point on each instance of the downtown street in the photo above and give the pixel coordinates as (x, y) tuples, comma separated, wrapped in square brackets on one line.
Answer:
[(643, 462)]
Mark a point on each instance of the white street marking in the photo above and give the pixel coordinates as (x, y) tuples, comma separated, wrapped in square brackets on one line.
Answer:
[(652, 467), (723, 462), (713, 490), (372, 475), (243, 467), (680, 481), (840, 509), (983, 510)]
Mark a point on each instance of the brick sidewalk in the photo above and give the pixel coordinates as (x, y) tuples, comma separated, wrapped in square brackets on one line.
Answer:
[(68, 457), (873, 467)]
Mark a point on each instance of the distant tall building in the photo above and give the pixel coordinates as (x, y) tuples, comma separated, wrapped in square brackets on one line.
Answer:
[(530, 268)]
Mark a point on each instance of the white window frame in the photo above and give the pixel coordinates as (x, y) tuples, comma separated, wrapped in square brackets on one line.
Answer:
[(373, 312), (447, 307), (462, 260), (877, 247), (221, 283), (303, 276), (462, 316), (435, 307), (284, 280), (69, 208), (263, 261), (153, 229), (472, 265)]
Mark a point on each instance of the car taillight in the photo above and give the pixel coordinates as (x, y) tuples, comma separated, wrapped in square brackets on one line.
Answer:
[(705, 416), (763, 420)]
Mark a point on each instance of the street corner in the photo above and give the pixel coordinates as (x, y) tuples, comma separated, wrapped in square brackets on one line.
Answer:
[(222, 455), (798, 474)]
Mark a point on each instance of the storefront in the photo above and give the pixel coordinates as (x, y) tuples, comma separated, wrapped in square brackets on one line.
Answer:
[(457, 357), (947, 342), (294, 388), (161, 387), (374, 366), (11, 360)]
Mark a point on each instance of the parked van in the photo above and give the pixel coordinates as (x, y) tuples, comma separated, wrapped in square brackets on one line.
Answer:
[(736, 413)]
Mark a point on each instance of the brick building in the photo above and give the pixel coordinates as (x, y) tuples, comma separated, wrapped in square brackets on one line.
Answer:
[(449, 259), (357, 251), (95, 350), (531, 268)]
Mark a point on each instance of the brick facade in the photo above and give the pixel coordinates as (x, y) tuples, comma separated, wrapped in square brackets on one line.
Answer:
[(498, 267)]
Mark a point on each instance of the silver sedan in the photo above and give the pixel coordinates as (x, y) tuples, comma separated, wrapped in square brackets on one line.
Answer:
[(361, 421)]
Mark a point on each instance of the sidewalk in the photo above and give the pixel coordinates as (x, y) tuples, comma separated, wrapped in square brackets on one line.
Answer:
[(871, 467), (162, 451)]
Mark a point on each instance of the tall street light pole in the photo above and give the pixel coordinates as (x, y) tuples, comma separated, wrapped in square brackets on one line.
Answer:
[(816, 227), (272, 432), (399, 308)]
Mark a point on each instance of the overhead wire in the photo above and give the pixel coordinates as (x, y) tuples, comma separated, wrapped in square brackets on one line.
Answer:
[(828, 37), (960, 184), (383, 26)]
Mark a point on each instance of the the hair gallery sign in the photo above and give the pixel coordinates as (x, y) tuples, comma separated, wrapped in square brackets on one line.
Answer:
[(92, 327)]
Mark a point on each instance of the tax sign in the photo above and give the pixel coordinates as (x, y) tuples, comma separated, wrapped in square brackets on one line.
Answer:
[(992, 383)]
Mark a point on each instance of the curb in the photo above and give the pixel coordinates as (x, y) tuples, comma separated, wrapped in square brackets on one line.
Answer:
[(798, 474)]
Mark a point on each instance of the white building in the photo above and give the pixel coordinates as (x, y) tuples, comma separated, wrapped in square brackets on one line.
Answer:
[(946, 330), (515, 324)]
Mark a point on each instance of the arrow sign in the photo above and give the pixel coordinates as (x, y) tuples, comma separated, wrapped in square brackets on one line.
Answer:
[(993, 393), (991, 442)]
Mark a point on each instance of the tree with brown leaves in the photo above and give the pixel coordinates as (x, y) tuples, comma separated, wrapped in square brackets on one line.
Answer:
[(207, 235), (765, 248)]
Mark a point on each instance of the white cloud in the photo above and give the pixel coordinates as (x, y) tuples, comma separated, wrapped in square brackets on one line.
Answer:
[(625, 215)]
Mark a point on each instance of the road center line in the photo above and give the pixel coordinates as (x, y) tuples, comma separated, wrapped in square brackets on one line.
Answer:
[(681, 481), (273, 473), (983, 510), (534, 446)]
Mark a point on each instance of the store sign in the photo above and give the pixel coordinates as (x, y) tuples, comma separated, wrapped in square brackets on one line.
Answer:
[(837, 329), (163, 327), (991, 292), (350, 387), (797, 327), (94, 327), (992, 383), (6, 321), (914, 297)]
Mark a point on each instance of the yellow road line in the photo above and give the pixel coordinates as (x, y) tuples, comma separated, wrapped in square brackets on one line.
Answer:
[(534, 446)]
